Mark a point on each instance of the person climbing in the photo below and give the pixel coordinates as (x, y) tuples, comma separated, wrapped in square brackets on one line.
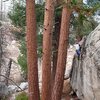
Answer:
[(78, 49), (78, 45)]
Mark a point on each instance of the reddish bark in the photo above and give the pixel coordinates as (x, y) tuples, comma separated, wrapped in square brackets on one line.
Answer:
[(47, 44), (62, 54), (32, 51)]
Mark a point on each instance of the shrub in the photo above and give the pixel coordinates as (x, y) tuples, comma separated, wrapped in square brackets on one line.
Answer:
[(22, 96)]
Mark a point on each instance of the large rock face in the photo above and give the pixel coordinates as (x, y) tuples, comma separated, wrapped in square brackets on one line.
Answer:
[(10, 51), (85, 77)]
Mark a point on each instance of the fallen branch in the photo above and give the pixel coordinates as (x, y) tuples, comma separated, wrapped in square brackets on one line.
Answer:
[(11, 81)]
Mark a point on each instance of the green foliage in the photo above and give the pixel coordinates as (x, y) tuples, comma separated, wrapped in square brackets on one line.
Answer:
[(39, 49), (74, 2), (18, 18), (58, 12), (22, 96), (22, 59), (18, 35), (17, 15), (39, 14), (82, 24), (71, 39), (22, 48)]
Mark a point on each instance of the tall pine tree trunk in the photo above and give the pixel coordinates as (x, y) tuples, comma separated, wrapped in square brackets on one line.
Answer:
[(32, 51), (62, 54), (47, 45)]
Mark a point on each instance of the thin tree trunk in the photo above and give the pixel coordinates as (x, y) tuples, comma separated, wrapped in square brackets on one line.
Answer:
[(62, 54), (47, 45), (1, 51), (11, 81), (8, 71), (32, 51)]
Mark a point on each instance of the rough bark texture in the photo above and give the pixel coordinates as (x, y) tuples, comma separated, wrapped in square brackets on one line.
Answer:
[(47, 45), (62, 53), (85, 78), (32, 51)]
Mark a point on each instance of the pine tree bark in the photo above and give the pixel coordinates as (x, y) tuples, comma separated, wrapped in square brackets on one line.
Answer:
[(62, 54), (31, 35), (47, 45)]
